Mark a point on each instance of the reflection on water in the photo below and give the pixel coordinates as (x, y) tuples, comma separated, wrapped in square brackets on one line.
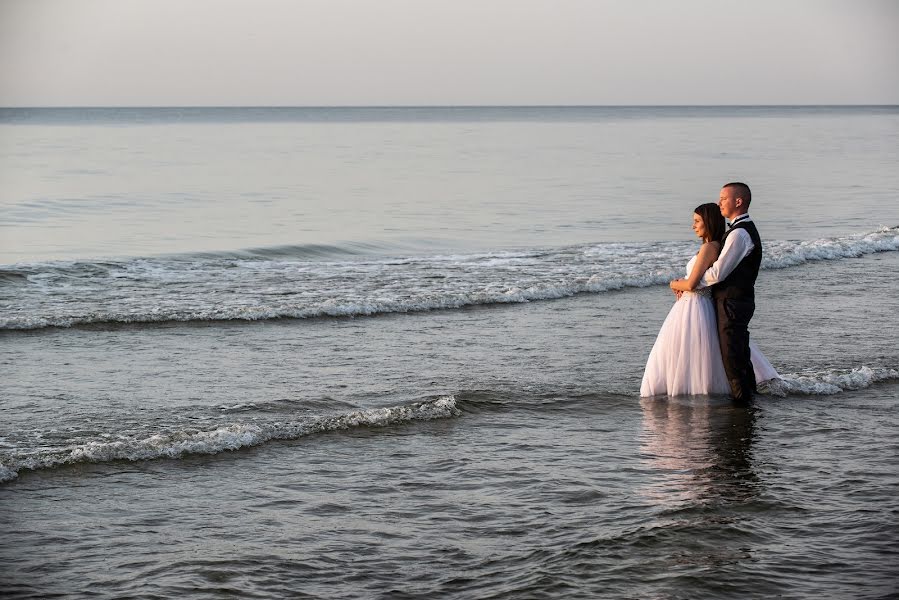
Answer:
[(700, 450)]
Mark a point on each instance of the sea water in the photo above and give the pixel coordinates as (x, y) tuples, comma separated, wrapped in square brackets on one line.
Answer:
[(355, 353)]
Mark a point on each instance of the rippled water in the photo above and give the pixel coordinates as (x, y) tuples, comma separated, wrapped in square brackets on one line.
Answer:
[(495, 449)]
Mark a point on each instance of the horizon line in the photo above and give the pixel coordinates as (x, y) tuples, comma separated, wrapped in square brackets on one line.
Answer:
[(442, 106)]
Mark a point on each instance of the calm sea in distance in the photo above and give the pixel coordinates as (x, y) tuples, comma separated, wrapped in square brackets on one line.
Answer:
[(397, 352)]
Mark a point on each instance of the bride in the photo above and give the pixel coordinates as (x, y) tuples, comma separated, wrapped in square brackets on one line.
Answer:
[(686, 358)]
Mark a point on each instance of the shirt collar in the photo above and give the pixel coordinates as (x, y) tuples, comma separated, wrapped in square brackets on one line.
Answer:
[(740, 219)]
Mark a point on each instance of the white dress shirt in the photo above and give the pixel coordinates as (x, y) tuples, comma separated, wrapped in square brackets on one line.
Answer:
[(737, 246)]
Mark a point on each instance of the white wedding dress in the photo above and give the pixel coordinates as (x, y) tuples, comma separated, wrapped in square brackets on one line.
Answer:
[(686, 358)]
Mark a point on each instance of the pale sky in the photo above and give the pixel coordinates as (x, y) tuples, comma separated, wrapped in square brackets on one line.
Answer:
[(447, 52)]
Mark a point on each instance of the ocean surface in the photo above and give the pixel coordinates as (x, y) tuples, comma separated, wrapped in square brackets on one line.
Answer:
[(396, 353)]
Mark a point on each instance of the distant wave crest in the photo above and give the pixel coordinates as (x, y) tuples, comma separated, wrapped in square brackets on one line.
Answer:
[(779, 255), (308, 282)]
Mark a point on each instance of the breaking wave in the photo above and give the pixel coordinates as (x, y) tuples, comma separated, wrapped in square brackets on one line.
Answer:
[(223, 438), (308, 282), (828, 382), (236, 435)]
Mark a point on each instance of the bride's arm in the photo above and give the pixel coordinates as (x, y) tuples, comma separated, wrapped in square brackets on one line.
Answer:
[(707, 254)]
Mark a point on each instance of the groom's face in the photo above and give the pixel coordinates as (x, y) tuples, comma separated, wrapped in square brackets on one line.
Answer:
[(727, 202)]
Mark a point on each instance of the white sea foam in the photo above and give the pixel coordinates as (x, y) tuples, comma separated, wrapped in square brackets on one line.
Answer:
[(787, 254), (227, 437), (65, 294), (238, 435), (828, 382), (7, 474)]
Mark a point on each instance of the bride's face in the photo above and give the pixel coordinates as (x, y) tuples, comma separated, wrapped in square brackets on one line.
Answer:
[(699, 226)]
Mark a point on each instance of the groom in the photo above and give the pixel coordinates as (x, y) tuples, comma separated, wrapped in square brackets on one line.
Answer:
[(732, 279)]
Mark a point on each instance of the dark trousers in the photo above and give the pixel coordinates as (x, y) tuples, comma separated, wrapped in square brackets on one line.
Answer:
[(733, 317)]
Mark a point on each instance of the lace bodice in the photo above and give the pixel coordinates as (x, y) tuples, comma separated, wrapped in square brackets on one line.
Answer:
[(700, 291)]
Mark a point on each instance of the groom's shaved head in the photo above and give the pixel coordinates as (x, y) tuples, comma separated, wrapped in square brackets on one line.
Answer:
[(740, 190)]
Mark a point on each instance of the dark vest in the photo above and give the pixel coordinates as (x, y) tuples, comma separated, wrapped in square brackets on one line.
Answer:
[(740, 284)]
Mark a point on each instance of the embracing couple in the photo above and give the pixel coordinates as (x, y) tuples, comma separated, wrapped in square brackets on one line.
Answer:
[(703, 346)]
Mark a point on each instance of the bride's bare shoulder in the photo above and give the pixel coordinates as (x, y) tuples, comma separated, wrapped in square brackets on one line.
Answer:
[(712, 248)]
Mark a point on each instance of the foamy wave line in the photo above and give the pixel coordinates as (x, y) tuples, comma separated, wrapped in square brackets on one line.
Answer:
[(780, 255), (336, 308), (230, 437), (828, 382)]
